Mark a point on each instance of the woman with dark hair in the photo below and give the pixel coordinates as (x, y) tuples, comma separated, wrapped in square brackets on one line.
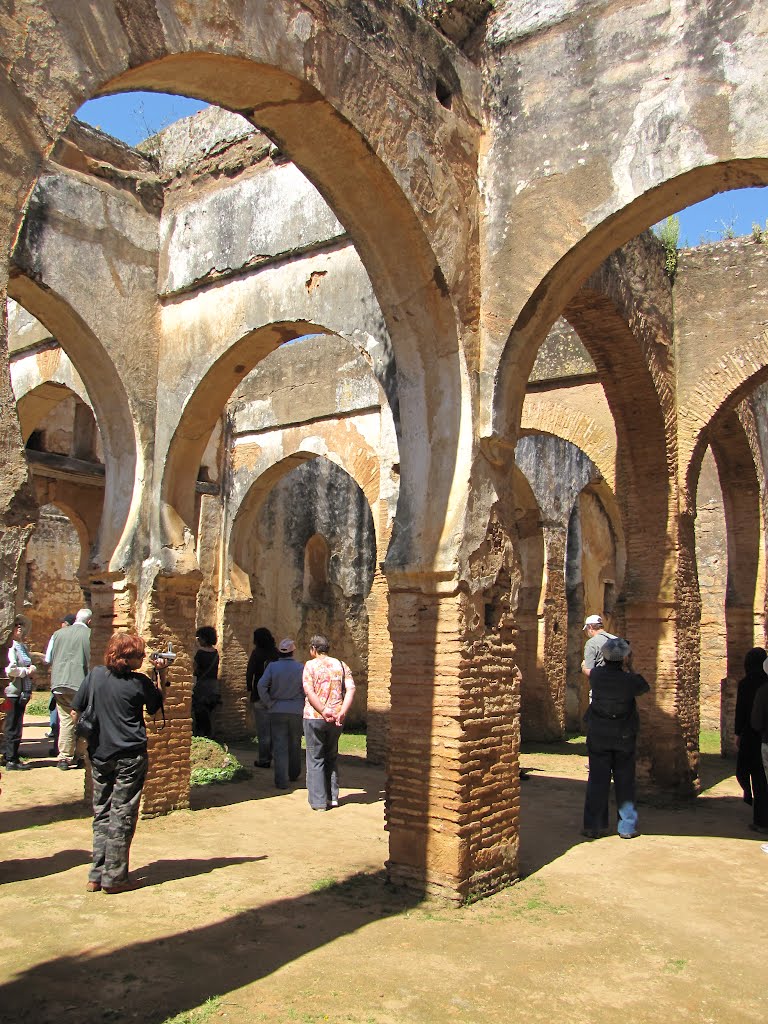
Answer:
[(118, 751), (206, 693), (749, 762), (262, 654), (20, 674)]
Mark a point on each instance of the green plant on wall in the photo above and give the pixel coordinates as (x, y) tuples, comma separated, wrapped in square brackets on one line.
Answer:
[(668, 233)]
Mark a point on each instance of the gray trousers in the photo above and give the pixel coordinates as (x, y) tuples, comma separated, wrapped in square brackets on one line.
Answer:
[(286, 747), (322, 740), (117, 785)]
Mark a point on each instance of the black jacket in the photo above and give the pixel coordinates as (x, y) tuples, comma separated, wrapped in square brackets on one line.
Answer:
[(612, 717)]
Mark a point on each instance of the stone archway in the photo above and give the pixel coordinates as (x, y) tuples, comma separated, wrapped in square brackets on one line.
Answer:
[(298, 93), (107, 397)]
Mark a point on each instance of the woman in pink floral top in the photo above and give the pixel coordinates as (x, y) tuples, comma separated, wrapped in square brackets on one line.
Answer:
[(329, 690)]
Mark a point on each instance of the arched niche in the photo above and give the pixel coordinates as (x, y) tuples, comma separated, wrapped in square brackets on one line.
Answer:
[(316, 559), (303, 558)]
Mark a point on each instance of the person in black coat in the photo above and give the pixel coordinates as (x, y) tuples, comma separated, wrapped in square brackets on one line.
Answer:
[(264, 652), (749, 762), (612, 725)]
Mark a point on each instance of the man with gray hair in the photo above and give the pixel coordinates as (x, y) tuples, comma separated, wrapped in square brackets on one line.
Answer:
[(597, 635), (70, 655)]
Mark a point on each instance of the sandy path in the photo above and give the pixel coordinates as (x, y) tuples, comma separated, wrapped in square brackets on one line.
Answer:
[(238, 900)]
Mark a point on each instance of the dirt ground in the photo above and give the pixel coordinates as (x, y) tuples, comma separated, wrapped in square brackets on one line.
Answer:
[(283, 914)]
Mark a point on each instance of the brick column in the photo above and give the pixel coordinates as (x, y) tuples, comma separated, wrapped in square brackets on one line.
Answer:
[(112, 599), (453, 781), (379, 651), (665, 651), (235, 649), (543, 692), (18, 507), (171, 617)]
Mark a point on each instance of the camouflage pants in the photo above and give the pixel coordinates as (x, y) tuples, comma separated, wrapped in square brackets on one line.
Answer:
[(117, 785)]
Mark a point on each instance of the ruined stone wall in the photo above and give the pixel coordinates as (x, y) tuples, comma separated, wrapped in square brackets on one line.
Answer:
[(51, 585), (280, 417), (721, 342), (317, 498)]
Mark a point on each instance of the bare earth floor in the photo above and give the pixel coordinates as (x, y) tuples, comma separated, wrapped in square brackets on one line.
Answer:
[(238, 901)]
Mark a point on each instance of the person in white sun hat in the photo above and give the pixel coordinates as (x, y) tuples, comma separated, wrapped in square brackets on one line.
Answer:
[(597, 635)]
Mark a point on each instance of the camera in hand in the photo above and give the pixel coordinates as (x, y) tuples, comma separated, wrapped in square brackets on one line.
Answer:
[(161, 658)]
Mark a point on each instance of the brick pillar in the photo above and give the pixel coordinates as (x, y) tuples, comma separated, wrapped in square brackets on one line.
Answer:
[(171, 617), (113, 603), (453, 781), (235, 649), (18, 507), (543, 693), (379, 653), (664, 651)]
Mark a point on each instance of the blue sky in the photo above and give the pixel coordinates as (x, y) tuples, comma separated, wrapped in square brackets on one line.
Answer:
[(133, 116)]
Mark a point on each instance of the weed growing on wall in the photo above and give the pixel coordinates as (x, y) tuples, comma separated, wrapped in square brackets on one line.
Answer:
[(668, 233)]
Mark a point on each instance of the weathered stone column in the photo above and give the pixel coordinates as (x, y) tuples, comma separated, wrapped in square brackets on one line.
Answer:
[(453, 782)]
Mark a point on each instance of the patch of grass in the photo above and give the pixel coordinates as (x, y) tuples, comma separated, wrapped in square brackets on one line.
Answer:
[(324, 883), (353, 743), (675, 966), (199, 1015), (38, 704), (213, 764), (573, 743), (709, 741)]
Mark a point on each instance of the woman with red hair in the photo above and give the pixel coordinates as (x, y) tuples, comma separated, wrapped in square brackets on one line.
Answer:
[(118, 751)]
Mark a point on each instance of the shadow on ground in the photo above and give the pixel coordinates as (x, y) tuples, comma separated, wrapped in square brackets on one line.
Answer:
[(366, 780), (43, 814), (41, 867), (137, 984), (552, 805)]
